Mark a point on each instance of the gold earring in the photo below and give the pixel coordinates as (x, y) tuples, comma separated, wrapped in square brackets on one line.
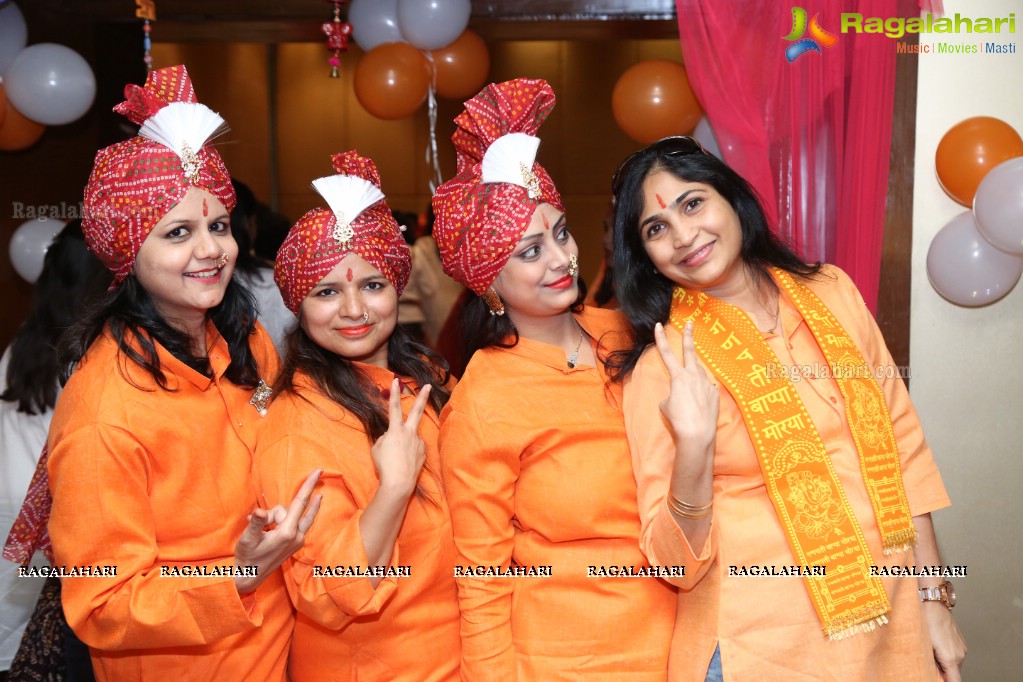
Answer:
[(365, 317), (493, 302), (222, 261), (573, 265)]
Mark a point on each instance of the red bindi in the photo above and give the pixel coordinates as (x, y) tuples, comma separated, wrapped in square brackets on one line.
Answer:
[(661, 201), (349, 275), (546, 225), (205, 209)]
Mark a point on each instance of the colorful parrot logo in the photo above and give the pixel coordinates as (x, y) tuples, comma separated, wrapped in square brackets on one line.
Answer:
[(800, 45)]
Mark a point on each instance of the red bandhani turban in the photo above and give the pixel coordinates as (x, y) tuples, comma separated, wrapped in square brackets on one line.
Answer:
[(358, 222), (136, 182), (485, 209)]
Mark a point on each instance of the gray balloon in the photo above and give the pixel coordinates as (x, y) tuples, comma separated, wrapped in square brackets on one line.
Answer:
[(50, 84), (433, 24), (13, 35), (374, 22), (965, 269), (998, 206)]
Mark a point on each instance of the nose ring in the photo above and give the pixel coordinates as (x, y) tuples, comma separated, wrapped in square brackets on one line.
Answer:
[(573, 265), (222, 260), (365, 317)]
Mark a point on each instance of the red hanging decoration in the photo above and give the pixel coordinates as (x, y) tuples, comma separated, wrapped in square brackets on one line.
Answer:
[(337, 33), (146, 10)]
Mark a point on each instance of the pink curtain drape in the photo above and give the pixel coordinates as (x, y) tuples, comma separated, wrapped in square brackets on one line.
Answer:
[(812, 136)]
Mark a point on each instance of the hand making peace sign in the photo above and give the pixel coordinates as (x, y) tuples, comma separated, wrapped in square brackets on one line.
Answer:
[(398, 455), (691, 409), (692, 405)]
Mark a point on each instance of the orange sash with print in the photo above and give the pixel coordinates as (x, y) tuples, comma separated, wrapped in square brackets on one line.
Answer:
[(801, 482)]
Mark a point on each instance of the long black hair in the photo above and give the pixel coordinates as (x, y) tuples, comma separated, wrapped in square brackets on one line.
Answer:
[(72, 278), (606, 289), (131, 316), (339, 379), (644, 294)]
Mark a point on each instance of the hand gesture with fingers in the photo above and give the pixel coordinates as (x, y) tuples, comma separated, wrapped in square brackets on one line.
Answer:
[(692, 410), (275, 534), (692, 405), (398, 455)]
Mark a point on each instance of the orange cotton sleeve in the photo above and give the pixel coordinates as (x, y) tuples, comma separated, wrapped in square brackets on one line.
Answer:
[(334, 540), (653, 457), (137, 609), (479, 479)]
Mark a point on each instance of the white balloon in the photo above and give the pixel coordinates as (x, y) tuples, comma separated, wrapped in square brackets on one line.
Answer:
[(965, 269), (998, 206), (13, 35), (705, 135), (433, 24), (29, 244), (50, 84), (374, 22)]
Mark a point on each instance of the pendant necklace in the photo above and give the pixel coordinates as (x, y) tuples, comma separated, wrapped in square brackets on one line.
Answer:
[(575, 356), (777, 317)]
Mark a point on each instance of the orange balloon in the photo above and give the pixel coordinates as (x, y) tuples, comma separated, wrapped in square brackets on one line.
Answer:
[(653, 99), (3, 104), (462, 66), (969, 150), (391, 80), (18, 132)]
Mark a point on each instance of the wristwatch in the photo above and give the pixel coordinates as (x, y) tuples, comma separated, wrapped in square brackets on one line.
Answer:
[(944, 593)]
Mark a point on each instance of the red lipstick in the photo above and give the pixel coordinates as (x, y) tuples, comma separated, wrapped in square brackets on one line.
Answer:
[(356, 331), (563, 283)]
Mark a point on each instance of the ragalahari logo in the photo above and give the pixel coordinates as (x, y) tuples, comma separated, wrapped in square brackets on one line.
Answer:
[(801, 45)]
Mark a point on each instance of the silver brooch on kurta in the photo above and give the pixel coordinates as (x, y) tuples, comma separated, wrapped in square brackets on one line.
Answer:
[(261, 397)]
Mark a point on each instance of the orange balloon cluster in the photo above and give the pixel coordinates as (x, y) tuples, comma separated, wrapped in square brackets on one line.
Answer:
[(16, 131), (969, 150), (653, 99), (393, 79)]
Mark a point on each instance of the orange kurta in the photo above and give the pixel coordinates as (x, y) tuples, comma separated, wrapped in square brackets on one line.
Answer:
[(767, 627), (406, 628), (538, 473), (143, 479)]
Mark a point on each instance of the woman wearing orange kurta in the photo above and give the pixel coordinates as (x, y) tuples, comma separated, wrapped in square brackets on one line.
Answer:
[(533, 447), (151, 440), (819, 470), (373, 585)]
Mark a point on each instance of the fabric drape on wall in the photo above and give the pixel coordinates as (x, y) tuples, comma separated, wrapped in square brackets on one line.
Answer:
[(813, 136)]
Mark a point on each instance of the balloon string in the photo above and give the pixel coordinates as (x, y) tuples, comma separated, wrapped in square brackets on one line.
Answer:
[(432, 158)]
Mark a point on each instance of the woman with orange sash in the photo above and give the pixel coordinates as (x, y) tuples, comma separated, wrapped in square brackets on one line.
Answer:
[(359, 399), (535, 460), (791, 491), (170, 567)]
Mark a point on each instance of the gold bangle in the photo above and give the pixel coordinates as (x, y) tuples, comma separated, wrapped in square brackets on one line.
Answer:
[(689, 511), (690, 507)]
